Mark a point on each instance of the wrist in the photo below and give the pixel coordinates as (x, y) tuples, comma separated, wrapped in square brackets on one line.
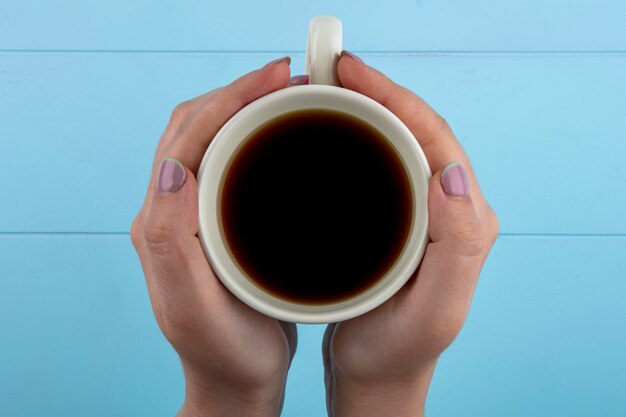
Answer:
[(397, 396), (213, 398), (221, 407), (216, 404)]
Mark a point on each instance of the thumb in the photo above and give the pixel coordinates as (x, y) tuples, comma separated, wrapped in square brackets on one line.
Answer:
[(453, 219), (179, 267), (440, 297), (174, 206)]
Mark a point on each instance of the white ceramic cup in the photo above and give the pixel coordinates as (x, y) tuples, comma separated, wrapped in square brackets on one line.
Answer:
[(323, 49)]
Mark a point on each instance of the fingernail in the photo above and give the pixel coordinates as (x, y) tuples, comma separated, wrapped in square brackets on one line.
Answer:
[(454, 180), (171, 176), (278, 61), (299, 80), (351, 55)]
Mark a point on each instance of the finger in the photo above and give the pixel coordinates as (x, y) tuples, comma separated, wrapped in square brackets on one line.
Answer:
[(298, 80), (440, 297), (203, 119), (431, 130), (194, 123)]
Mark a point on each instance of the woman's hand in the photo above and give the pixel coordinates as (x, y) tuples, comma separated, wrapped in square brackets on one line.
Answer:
[(380, 364), (235, 360)]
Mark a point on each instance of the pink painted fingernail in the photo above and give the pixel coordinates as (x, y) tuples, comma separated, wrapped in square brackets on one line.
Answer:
[(278, 61), (351, 55), (299, 80), (454, 180), (171, 176)]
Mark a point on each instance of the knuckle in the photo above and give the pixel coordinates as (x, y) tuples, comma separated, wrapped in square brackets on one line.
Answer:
[(473, 239), (493, 226), (230, 94), (443, 125), (181, 111), (436, 128), (159, 236), (135, 231), (387, 95), (475, 236)]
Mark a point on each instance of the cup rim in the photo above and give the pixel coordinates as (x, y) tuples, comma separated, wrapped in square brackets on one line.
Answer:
[(209, 186)]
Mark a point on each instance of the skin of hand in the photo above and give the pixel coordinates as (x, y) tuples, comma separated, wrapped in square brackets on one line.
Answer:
[(235, 360), (380, 364)]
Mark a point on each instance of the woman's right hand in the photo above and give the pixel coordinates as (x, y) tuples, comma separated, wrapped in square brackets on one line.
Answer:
[(380, 364)]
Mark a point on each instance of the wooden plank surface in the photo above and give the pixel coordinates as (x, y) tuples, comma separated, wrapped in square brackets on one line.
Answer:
[(535, 91), (546, 133), (543, 336), (369, 25)]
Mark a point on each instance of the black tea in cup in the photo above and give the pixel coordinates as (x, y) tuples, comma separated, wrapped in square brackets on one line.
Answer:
[(316, 206)]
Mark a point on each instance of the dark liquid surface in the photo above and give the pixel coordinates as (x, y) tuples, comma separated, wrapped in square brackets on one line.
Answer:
[(316, 206)]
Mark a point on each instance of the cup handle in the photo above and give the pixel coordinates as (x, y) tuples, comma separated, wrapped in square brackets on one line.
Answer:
[(323, 49)]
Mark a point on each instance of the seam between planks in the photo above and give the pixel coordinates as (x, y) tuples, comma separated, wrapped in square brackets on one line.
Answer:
[(501, 235), (363, 52)]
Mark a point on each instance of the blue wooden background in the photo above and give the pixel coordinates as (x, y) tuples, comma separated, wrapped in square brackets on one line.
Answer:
[(535, 90)]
